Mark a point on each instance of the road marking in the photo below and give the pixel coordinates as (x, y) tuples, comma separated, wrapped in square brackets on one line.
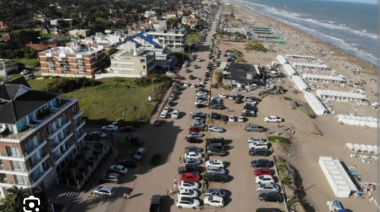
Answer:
[(105, 207)]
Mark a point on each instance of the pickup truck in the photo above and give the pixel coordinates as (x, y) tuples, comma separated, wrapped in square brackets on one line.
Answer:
[(155, 203), (190, 168)]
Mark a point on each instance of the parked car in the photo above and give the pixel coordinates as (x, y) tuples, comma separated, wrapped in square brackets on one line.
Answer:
[(257, 145), (127, 163), (193, 149), (273, 119), (215, 201), (215, 162), (139, 154), (110, 178), (261, 163), (190, 161), (134, 140), (262, 179), (259, 152), (195, 135), (194, 155), (215, 169), (187, 202), (268, 187), (163, 114), (231, 118), (241, 119), (262, 171), (215, 140), (216, 129), (126, 129), (98, 134), (254, 128), (155, 159), (194, 140), (188, 185), (195, 129), (190, 168), (185, 192), (268, 210), (271, 197), (222, 95), (178, 77), (215, 116), (105, 191), (257, 139), (190, 177), (119, 169), (110, 128), (214, 177), (217, 106), (158, 122), (155, 203), (215, 192), (175, 114)]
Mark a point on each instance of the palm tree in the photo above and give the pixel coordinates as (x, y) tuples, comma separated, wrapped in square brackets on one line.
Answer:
[(10, 203)]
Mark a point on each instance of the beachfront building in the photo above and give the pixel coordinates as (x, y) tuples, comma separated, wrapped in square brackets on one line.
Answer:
[(131, 61), (324, 78), (77, 61), (175, 40), (244, 75), (290, 70), (7, 67), (40, 133), (282, 60), (340, 96), (300, 83), (315, 104)]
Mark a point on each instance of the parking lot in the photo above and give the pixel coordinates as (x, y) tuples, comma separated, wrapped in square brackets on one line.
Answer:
[(168, 139)]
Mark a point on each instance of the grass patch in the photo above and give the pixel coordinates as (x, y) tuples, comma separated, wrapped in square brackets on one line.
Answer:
[(288, 98), (283, 142), (33, 63)]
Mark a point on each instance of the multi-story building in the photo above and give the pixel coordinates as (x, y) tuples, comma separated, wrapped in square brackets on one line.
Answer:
[(76, 61), (80, 32), (175, 40), (40, 133), (131, 61), (6, 67)]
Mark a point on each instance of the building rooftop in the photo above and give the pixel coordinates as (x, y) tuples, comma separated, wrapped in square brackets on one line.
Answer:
[(241, 72), (72, 50)]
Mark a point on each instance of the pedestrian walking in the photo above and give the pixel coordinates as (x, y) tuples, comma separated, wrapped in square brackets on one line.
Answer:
[(167, 191), (125, 196), (180, 159), (128, 196), (175, 180)]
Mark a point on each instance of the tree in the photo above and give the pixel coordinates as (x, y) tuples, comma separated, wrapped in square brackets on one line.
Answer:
[(10, 203), (193, 38)]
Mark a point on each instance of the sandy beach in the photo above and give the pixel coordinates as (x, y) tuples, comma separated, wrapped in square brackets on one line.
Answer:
[(307, 146)]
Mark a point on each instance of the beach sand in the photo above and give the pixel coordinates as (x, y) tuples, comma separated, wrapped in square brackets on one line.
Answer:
[(308, 147)]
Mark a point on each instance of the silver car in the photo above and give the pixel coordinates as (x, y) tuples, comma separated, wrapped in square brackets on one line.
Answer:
[(268, 187), (215, 169), (105, 191)]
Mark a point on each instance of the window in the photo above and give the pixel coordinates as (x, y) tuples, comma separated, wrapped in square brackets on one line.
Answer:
[(142, 60), (144, 67)]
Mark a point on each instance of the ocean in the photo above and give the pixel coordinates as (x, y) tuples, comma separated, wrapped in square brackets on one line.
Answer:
[(349, 26)]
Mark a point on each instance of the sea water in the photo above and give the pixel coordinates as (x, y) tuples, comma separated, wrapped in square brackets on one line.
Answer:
[(350, 26)]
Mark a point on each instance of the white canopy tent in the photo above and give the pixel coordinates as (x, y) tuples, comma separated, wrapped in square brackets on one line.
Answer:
[(340, 95), (315, 104), (319, 77), (289, 70), (299, 57), (310, 66), (358, 120), (361, 148), (337, 177), (299, 83), (281, 59)]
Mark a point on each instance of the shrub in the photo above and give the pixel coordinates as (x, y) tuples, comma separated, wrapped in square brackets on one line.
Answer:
[(65, 85), (218, 77)]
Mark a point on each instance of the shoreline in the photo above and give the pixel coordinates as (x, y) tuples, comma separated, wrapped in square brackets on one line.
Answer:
[(365, 66)]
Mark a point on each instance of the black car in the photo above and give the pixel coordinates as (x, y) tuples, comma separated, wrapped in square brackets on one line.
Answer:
[(261, 163), (134, 140), (127, 163), (216, 151), (248, 114), (155, 159), (217, 106), (171, 103), (189, 168), (110, 178), (271, 197), (215, 140), (224, 118), (158, 122), (254, 128), (194, 140), (198, 114), (200, 106), (215, 177), (215, 116), (260, 152), (268, 210), (250, 107)]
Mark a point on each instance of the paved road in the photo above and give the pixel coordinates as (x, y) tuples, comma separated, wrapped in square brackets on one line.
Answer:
[(169, 140)]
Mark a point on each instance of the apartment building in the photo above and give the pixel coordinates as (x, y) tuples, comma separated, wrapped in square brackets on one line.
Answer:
[(80, 32), (76, 61), (6, 67), (131, 61), (175, 40), (40, 133)]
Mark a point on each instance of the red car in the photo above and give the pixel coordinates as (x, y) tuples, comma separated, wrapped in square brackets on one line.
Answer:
[(191, 177), (262, 171), (126, 129), (195, 129), (178, 77)]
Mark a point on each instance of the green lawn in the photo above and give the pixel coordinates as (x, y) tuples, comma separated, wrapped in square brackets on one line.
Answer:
[(114, 99), (27, 62)]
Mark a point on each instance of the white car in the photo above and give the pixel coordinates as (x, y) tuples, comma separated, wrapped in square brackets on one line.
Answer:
[(201, 102), (215, 98), (195, 134), (246, 111), (175, 114), (263, 179), (170, 74), (163, 114), (186, 84), (140, 152), (188, 185), (166, 109), (268, 187), (198, 119), (231, 118), (193, 161), (258, 145), (119, 169), (201, 93), (251, 102), (222, 95), (110, 128), (240, 119), (187, 202), (193, 155), (96, 133), (213, 201), (216, 163), (193, 85), (215, 169), (105, 191), (216, 129), (258, 140), (185, 192), (272, 119), (197, 124)]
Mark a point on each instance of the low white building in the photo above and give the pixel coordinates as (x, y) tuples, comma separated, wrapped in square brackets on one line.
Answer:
[(80, 32), (358, 120), (289, 70), (315, 104), (300, 84), (282, 60), (6, 67), (341, 96)]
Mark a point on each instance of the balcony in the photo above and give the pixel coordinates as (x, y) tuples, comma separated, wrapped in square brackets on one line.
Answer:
[(41, 177), (38, 163), (22, 171), (8, 184), (77, 114), (12, 157), (64, 155), (79, 126), (60, 143), (81, 137), (35, 149), (58, 130)]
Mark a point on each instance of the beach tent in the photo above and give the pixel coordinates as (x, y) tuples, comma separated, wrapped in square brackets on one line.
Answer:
[(340, 95), (315, 104), (358, 120), (299, 83), (337, 177), (289, 70), (281, 59), (320, 77), (310, 66), (299, 57)]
